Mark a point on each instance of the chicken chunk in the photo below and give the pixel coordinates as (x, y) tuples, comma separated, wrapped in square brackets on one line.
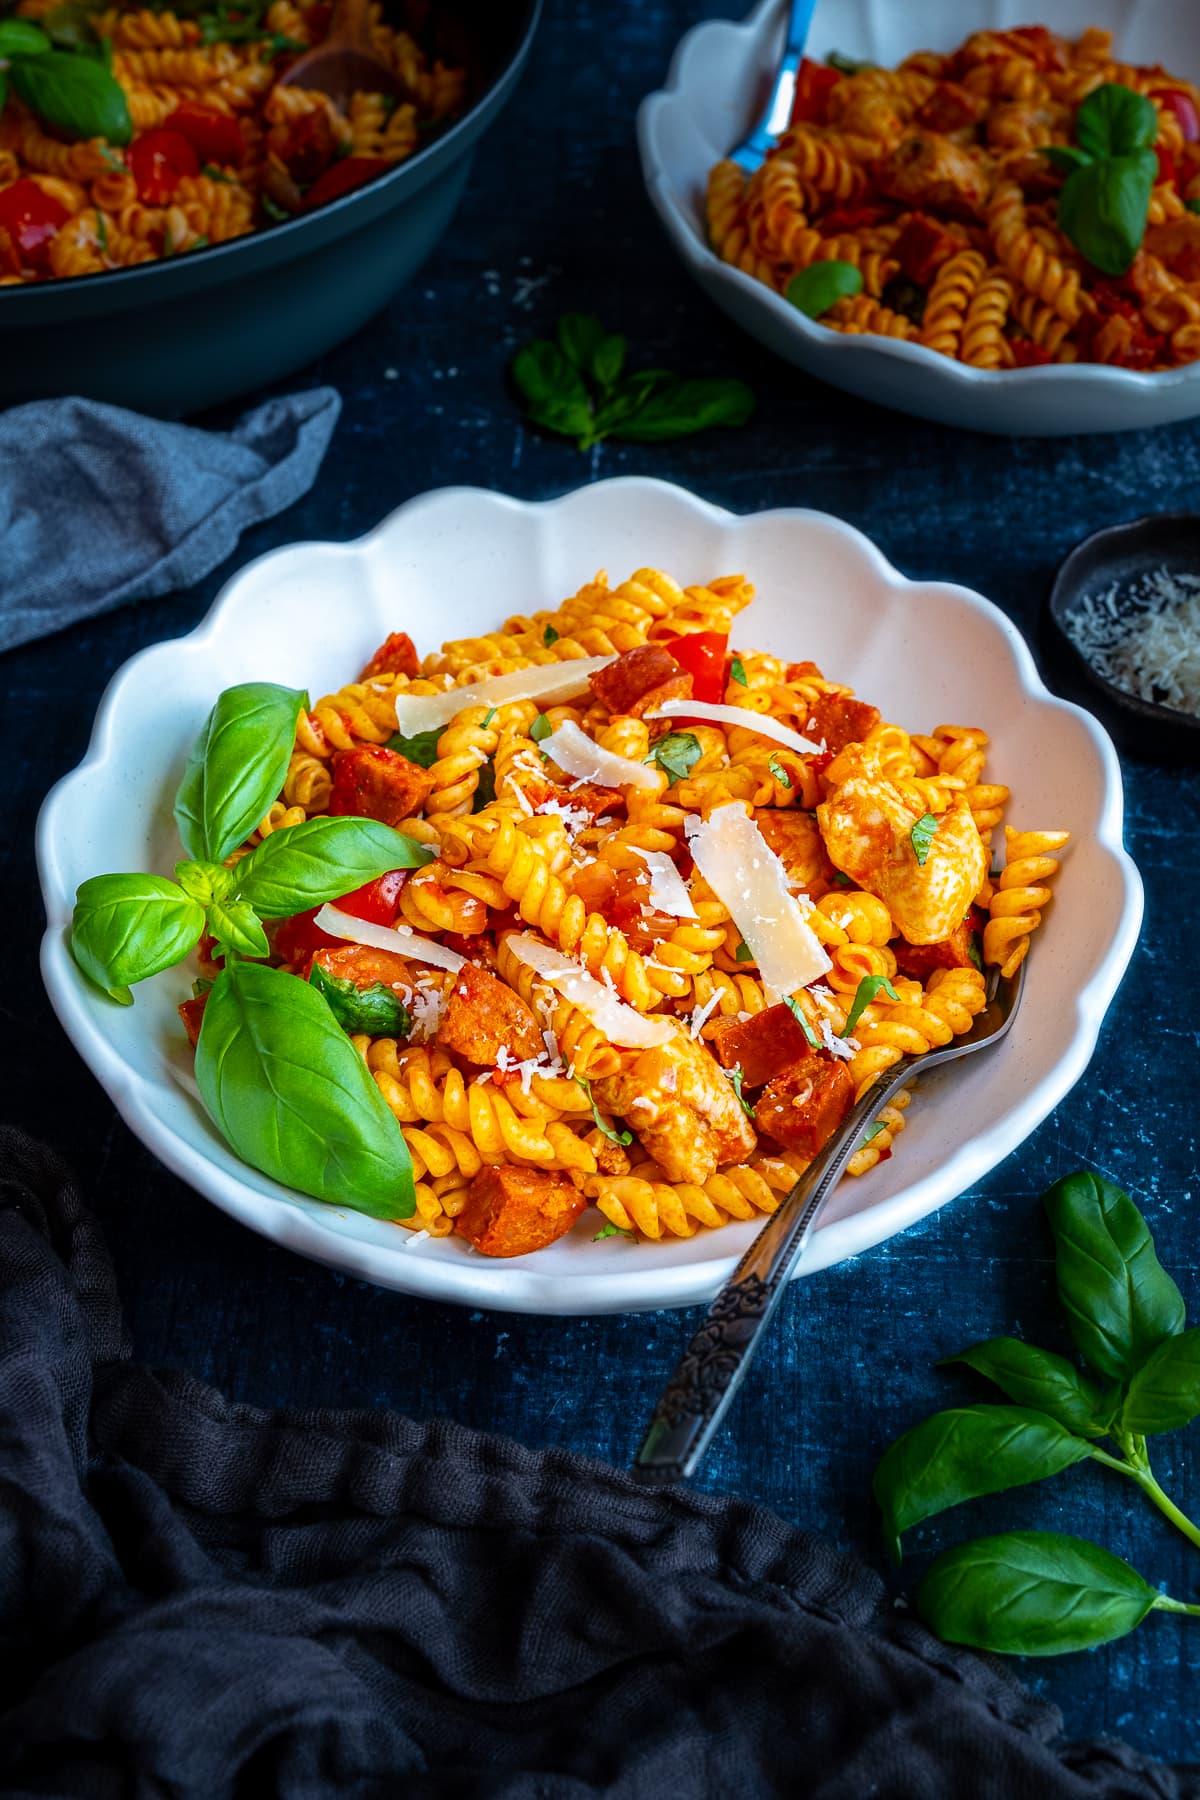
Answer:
[(682, 1108), (511, 1211), (484, 1016), (867, 827), (927, 169), (796, 841)]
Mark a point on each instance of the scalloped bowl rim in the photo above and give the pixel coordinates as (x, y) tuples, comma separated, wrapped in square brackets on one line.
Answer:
[(285, 1218), (696, 252)]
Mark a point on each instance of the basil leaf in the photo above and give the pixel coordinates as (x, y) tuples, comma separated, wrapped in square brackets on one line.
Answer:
[(485, 787), (18, 37), (676, 754), (1066, 157), (549, 636), (305, 865), (489, 716), (608, 359), (922, 837), (1119, 1300), (737, 670), (608, 1230), (841, 879), (743, 953), (815, 289), (1114, 121), (377, 1009), (126, 927), (421, 749), (974, 951), (1103, 209), (1164, 1394), (540, 729), (846, 65), (579, 336), (778, 771), (204, 881), (963, 1453), (76, 95), (871, 1133), (614, 1137), (237, 767), (291, 1095), (279, 214), (736, 1077), (793, 1007), (677, 409), (237, 927), (868, 987), (627, 398), (1193, 205), (1039, 1379), (1032, 1593), (553, 389)]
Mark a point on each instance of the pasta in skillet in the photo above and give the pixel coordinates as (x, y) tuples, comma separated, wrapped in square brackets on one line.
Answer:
[(942, 183), (689, 901)]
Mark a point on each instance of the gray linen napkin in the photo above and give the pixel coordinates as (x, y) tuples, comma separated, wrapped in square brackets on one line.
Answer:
[(99, 506)]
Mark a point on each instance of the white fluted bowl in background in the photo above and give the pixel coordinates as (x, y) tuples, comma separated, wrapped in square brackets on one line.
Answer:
[(718, 81), (457, 562)]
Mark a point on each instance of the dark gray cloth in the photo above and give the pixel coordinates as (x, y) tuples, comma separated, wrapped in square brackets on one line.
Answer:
[(99, 506), (208, 1601)]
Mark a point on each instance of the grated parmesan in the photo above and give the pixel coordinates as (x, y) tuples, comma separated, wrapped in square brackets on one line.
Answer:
[(1144, 637), (700, 1014)]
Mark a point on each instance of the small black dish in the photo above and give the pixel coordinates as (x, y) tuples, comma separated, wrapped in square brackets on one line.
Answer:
[(1121, 555)]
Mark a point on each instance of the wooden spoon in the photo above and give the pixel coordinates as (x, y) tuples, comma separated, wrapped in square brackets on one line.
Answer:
[(346, 63)]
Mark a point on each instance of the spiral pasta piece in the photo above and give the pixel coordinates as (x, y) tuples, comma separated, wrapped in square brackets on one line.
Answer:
[(1020, 895)]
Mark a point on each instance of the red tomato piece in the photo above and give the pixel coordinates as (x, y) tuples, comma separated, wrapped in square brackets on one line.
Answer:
[(158, 161), (921, 247), (192, 1014), (298, 939), (397, 655), (215, 137), (306, 146), (813, 83), (1166, 163), (31, 219), (377, 901), (855, 218), (343, 177), (1028, 355), (702, 654), (1184, 108)]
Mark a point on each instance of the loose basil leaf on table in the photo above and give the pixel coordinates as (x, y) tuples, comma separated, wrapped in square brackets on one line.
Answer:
[(1032, 1593), (1103, 209), (306, 865), (1039, 1379), (553, 388), (964, 1453), (1164, 1393), (377, 1009), (292, 1096), (683, 407), (127, 927), (1120, 1301), (20, 37), (595, 352), (237, 767), (75, 94), (815, 289)]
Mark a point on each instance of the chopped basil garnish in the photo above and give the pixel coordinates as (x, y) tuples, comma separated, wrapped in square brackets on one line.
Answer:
[(793, 1007), (779, 772), (737, 669), (868, 987), (614, 1137), (676, 754), (922, 837)]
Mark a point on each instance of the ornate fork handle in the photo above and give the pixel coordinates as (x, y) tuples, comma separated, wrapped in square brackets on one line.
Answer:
[(696, 1397)]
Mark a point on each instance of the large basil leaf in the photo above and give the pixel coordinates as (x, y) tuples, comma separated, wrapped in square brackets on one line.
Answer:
[(1120, 1301), (75, 94), (1032, 1593), (678, 409), (1103, 209), (961, 1454), (288, 1090), (305, 865), (1043, 1381), (1113, 120), (126, 927), (237, 767), (815, 289), (20, 37), (1164, 1394), (553, 388)]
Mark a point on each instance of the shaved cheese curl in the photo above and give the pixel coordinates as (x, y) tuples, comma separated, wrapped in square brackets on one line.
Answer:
[(744, 872), (760, 723), (542, 682), (619, 1023), (386, 937), (577, 754)]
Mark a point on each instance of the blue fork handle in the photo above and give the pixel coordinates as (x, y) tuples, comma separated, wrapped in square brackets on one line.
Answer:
[(750, 154)]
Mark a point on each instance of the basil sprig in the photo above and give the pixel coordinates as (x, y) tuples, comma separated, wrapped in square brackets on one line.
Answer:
[(237, 767), (815, 289), (574, 385), (676, 754), (73, 92), (1111, 169), (292, 1096), (1042, 1593)]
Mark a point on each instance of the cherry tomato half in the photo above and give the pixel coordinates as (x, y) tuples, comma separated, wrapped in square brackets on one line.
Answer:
[(31, 219), (214, 136), (1184, 108), (159, 160), (378, 901), (813, 83), (343, 177), (702, 654)]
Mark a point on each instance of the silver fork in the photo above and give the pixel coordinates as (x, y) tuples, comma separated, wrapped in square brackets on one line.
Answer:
[(695, 1400), (752, 151)]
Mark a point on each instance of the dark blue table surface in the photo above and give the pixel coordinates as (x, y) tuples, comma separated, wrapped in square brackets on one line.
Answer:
[(556, 219)]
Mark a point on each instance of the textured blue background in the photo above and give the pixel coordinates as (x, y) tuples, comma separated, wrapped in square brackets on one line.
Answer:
[(556, 219)]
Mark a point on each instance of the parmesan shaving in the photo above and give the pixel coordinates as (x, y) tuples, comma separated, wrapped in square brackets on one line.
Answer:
[(387, 937), (620, 1023), (1145, 638), (700, 1015), (759, 723), (744, 872), (542, 681), (577, 754), (668, 892)]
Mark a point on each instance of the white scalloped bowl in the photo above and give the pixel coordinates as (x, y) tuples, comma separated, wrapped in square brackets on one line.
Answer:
[(457, 562), (716, 87)]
